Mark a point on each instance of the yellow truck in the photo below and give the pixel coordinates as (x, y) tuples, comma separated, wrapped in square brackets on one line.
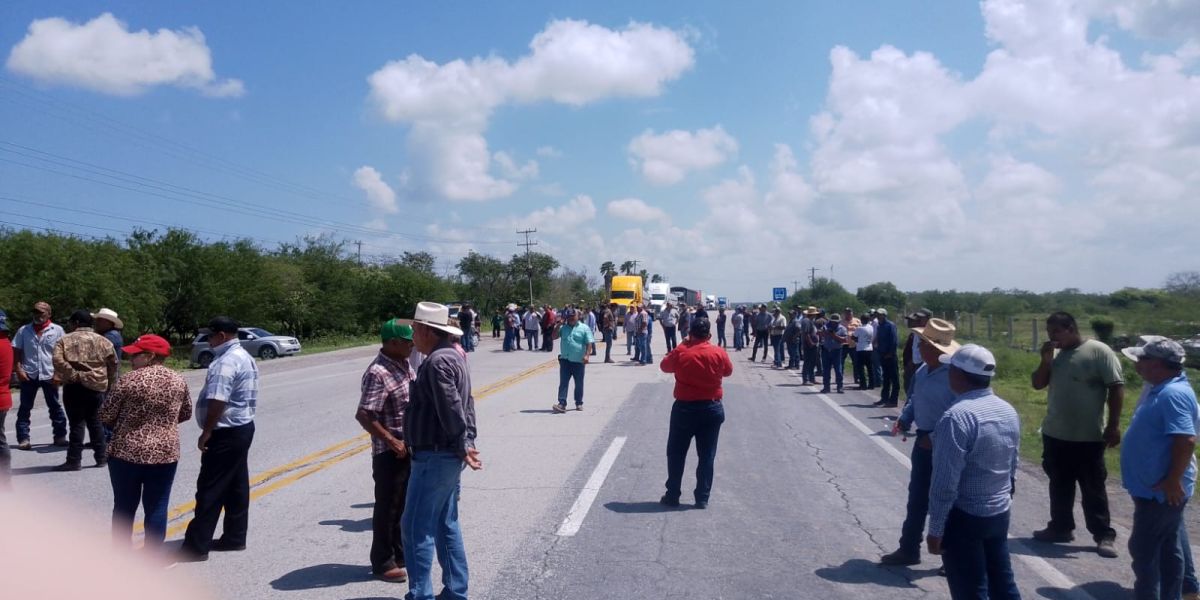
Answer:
[(626, 292)]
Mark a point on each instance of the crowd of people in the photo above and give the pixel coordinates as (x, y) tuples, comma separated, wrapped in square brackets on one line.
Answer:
[(417, 405)]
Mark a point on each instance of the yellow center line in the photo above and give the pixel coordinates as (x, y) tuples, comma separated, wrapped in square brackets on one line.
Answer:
[(284, 475)]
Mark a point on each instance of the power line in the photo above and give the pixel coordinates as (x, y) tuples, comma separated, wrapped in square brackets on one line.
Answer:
[(528, 261)]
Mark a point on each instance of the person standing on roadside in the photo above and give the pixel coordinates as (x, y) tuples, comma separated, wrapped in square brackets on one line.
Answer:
[(791, 338), (225, 413), (466, 322), (630, 326), (440, 434), (533, 323), (738, 322), (697, 413), (762, 332), (975, 449), (669, 317), (144, 410), (910, 356), (1158, 469), (642, 327), (932, 395), (864, 368), (575, 339), (833, 338), (497, 324), (851, 323), (810, 345), (608, 320), (33, 358), (86, 364), (887, 341), (385, 393), (685, 321), (778, 327), (1083, 379), (720, 328), (549, 322), (6, 371)]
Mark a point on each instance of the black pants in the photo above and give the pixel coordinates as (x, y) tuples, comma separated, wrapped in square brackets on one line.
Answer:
[(496, 332), (223, 484), (889, 387), (669, 334), (391, 487), (721, 336), (702, 420), (548, 340), (812, 363), (761, 338), (83, 406), (1067, 463), (863, 371)]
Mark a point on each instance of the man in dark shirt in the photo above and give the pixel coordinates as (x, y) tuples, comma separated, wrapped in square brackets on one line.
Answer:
[(439, 431), (886, 343)]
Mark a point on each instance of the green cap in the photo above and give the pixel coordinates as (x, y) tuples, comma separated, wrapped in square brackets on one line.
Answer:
[(396, 328)]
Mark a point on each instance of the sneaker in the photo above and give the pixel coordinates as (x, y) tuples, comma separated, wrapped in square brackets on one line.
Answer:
[(559, 408), (1106, 548), (1051, 536), (667, 500), (25, 445), (900, 558)]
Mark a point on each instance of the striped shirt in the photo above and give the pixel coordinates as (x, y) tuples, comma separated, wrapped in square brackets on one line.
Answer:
[(930, 398), (385, 387), (233, 379), (975, 448)]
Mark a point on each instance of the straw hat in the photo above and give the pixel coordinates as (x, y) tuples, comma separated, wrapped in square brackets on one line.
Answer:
[(940, 333), (109, 315), (437, 316)]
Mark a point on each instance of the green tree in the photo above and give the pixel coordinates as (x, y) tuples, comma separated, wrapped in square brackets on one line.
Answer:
[(881, 294), (422, 262)]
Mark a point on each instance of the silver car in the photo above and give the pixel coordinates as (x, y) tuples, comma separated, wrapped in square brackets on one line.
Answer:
[(258, 342)]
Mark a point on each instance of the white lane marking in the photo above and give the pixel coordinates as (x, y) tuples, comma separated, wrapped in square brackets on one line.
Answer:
[(1039, 565), (570, 525)]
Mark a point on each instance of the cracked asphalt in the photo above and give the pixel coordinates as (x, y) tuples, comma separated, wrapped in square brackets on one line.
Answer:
[(803, 502)]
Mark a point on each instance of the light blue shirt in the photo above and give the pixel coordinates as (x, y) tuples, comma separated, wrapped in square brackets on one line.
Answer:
[(1169, 409), (930, 398), (574, 341), (233, 379), (975, 447), (37, 352)]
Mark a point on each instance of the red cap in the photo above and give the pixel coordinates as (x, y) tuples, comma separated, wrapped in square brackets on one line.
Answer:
[(149, 343)]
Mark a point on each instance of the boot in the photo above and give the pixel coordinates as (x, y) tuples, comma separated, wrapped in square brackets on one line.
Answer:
[(70, 465)]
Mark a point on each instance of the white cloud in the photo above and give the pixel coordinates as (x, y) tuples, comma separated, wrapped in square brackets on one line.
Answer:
[(666, 158), (552, 219), (549, 152), (103, 55), (636, 211), (510, 169), (381, 196), (570, 62)]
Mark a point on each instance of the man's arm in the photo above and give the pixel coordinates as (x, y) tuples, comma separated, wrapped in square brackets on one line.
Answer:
[(1182, 448), (949, 458), (1112, 431), (111, 364), (63, 371), (448, 404), (18, 358), (370, 423), (1041, 377), (216, 408)]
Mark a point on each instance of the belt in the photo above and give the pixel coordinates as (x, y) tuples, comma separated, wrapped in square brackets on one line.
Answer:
[(434, 448), (692, 401)]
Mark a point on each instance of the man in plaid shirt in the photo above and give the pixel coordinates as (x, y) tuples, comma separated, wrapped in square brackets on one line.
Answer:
[(385, 387)]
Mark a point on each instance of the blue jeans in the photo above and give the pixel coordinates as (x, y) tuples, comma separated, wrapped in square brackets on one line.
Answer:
[(430, 522), (889, 387), (134, 483), (876, 370), (702, 420), (58, 418), (793, 352), (639, 341), (739, 338), (812, 360), (777, 348), (1154, 546), (468, 341), (1190, 584), (721, 336), (531, 339), (508, 339), (832, 361), (918, 498), (975, 552), (568, 370), (669, 334)]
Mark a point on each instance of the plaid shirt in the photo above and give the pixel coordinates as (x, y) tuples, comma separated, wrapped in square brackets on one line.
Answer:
[(385, 387), (86, 358)]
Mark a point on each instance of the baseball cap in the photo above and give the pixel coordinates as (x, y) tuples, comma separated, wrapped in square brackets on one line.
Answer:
[(920, 313), (568, 313), (1132, 352), (396, 328), (1166, 350), (149, 343), (3, 321), (973, 359), (881, 311)]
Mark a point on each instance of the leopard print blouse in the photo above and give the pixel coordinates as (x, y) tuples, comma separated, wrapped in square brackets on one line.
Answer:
[(144, 410)]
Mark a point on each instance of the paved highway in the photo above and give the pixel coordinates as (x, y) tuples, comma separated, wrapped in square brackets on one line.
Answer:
[(809, 491)]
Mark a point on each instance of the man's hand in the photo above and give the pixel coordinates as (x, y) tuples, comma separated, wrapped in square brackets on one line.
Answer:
[(585, 357), (56, 380), (398, 447), (22, 375), (934, 544), (472, 459), (1047, 351), (898, 428), (202, 443), (1112, 436), (1173, 490)]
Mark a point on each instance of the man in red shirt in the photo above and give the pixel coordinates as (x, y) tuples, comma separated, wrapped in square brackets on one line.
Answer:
[(699, 368), (6, 370)]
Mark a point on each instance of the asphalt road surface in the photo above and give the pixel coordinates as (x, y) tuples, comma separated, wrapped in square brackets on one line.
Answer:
[(809, 491)]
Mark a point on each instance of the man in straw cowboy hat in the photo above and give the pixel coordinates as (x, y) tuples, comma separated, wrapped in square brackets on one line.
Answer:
[(439, 432), (931, 397)]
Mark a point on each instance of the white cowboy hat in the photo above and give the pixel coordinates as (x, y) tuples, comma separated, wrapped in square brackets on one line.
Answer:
[(940, 333), (437, 316), (109, 315)]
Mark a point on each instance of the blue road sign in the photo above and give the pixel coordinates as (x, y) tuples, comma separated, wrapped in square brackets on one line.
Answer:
[(779, 294)]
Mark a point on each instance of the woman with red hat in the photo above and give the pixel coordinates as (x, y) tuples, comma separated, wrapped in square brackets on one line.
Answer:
[(144, 410)]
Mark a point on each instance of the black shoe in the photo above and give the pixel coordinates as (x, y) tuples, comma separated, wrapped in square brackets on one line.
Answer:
[(187, 555), (221, 545), (1051, 536), (824, 390), (667, 500), (61, 441), (70, 465), (101, 463), (701, 504), (880, 403), (888, 405), (900, 558), (942, 571)]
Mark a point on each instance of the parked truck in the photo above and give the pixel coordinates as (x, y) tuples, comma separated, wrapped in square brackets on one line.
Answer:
[(659, 294), (626, 292), (687, 296)]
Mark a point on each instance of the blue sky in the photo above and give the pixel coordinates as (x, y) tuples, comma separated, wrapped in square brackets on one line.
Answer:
[(728, 146)]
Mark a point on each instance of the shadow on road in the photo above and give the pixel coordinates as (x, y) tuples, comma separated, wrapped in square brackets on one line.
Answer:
[(363, 505), (539, 411), (861, 570), (1031, 547), (49, 449), (33, 470), (1100, 590), (348, 525), (319, 577), (642, 507)]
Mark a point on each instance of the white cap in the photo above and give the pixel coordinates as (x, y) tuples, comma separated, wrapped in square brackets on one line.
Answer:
[(973, 359), (881, 311)]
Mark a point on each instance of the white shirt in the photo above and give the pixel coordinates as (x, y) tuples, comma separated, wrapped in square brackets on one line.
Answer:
[(863, 336)]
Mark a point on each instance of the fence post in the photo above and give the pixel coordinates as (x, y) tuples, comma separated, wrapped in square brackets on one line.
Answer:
[(1034, 348), (971, 320), (1011, 339), (989, 324)]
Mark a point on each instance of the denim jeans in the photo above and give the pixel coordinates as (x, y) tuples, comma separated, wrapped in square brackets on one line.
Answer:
[(793, 352), (702, 420), (669, 334), (638, 342), (739, 339), (1190, 584), (430, 523), (721, 336), (1067, 463), (531, 339), (975, 552), (644, 349), (468, 341), (812, 360), (889, 388), (508, 339), (390, 474), (149, 485), (777, 348), (568, 370), (609, 334), (58, 418), (918, 498), (630, 338), (832, 361), (1154, 546)]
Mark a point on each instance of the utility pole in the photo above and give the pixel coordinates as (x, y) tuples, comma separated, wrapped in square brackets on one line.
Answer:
[(635, 265), (795, 287), (528, 261), (812, 276), (359, 244)]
